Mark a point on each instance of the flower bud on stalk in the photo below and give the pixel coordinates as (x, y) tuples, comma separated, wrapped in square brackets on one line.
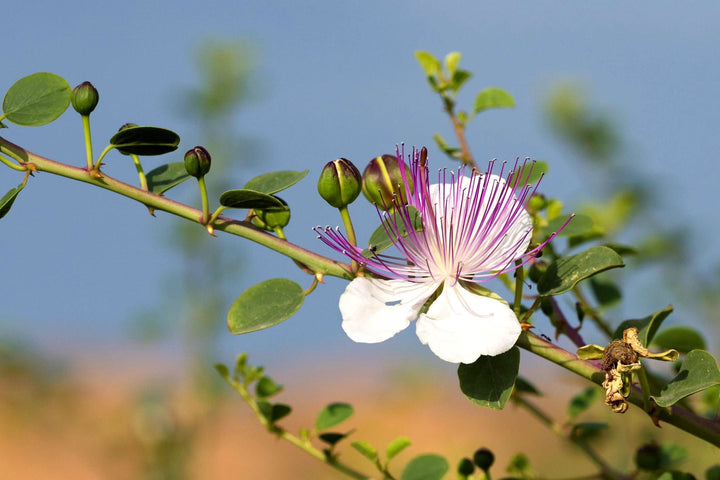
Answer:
[(85, 98), (382, 179), (339, 183), (197, 162), (484, 459), (272, 219)]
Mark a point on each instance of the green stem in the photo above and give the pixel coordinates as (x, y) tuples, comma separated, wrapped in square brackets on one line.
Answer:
[(12, 164), (216, 214), (140, 171), (449, 105), (99, 160), (693, 424), (519, 277), (88, 141), (645, 387), (315, 262), (590, 311), (347, 222), (205, 202)]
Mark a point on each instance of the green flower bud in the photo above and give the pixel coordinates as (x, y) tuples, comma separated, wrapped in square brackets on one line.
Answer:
[(382, 179), (536, 203), (339, 183), (465, 467), (484, 459), (197, 162), (272, 218), (649, 457), (85, 98)]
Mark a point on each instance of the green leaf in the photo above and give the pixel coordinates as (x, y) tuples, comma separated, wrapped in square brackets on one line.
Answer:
[(579, 225), (493, 98), (332, 415), (264, 305), (489, 381), (379, 240), (522, 385), (682, 339), (671, 454), (273, 411), (606, 291), (165, 177), (145, 141), (452, 60), (274, 182), (582, 401), (266, 387), (590, 352), (223, 371), (458, 79), (331, 438), (564, 273), (587, 430), (367, 450), (698, 371), (646, 326), (250, 199), (520, 466), (445, 148), (429, 64), (532, 173), (396, 446), (6, 202), (425, 467), (37, 99)]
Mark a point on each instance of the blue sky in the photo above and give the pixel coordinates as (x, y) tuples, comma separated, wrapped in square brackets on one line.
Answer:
[(334, 79)]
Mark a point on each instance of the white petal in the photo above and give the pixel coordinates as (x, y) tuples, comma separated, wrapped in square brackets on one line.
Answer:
[(374, 310), (460, 326)]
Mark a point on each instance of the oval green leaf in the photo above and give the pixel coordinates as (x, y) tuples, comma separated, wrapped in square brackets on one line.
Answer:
[(579, 225), (332, 415), (250, 199), (698, 371), (532, 173), (582, 401), (367, 450), (682, 339), (37, 99), (426, 467), (145, 141), (264, 305), (396, 446), (646, 326), (429, 64), (6, 202), (266, 387), (489, 381), (493, 97), (274, 182), (564, 273), (165, 177)]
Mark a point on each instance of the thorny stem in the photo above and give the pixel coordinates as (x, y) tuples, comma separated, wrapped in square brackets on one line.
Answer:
[(562, 432), (700, 427), (315, 262), (592, 313), (302, 444)]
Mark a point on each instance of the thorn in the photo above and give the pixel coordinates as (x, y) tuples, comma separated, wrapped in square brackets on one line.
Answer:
[(31, 167), (210, 230), (319, 277), (526, 326), (151, 210)]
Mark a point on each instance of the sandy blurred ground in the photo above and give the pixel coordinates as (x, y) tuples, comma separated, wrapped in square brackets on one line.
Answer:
[(86, 423)]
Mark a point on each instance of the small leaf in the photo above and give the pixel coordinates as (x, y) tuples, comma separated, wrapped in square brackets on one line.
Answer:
[(579, 225), (452, 60), (522, 385), (223, 371), (489, 381), (587, 430), (165, 177), (564, 273), (379, 240), (493, 98), (682, 339), (425, 467), (37, 99), (145, 141), (266, 387), (332, 415), (646, 326), (698, 371), (250, 199), (582, 401), (428, 62), (520, 466), (396, 446), (672, 454), (445, 148), (367, 450), (606, 291), (590, 352), (6, 202), (264, 305), (458, 79), (273, 411), (274, 182), (332, 438), (531, 174)]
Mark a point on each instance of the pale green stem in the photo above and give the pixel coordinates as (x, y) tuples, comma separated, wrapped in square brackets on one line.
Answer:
[(216, 214), (12, 164), (88, 141), (645, 387), (519, 274), (280, 232), (315, 262), (347, 222), (102, 155), (205, 202), (140, 171), (700, 427), (592, 313)]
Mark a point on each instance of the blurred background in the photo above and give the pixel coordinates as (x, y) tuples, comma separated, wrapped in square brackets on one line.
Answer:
[(111, 320)]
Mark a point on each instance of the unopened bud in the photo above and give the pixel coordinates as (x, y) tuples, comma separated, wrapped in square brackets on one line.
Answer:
[(339, 183), (85, 98), (648, 457), (465, 467), (272, 218), (382, 180), (197, 162), (484, 459)]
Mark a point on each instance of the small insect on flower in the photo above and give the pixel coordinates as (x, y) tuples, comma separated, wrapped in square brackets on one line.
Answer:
[(474, 228)]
